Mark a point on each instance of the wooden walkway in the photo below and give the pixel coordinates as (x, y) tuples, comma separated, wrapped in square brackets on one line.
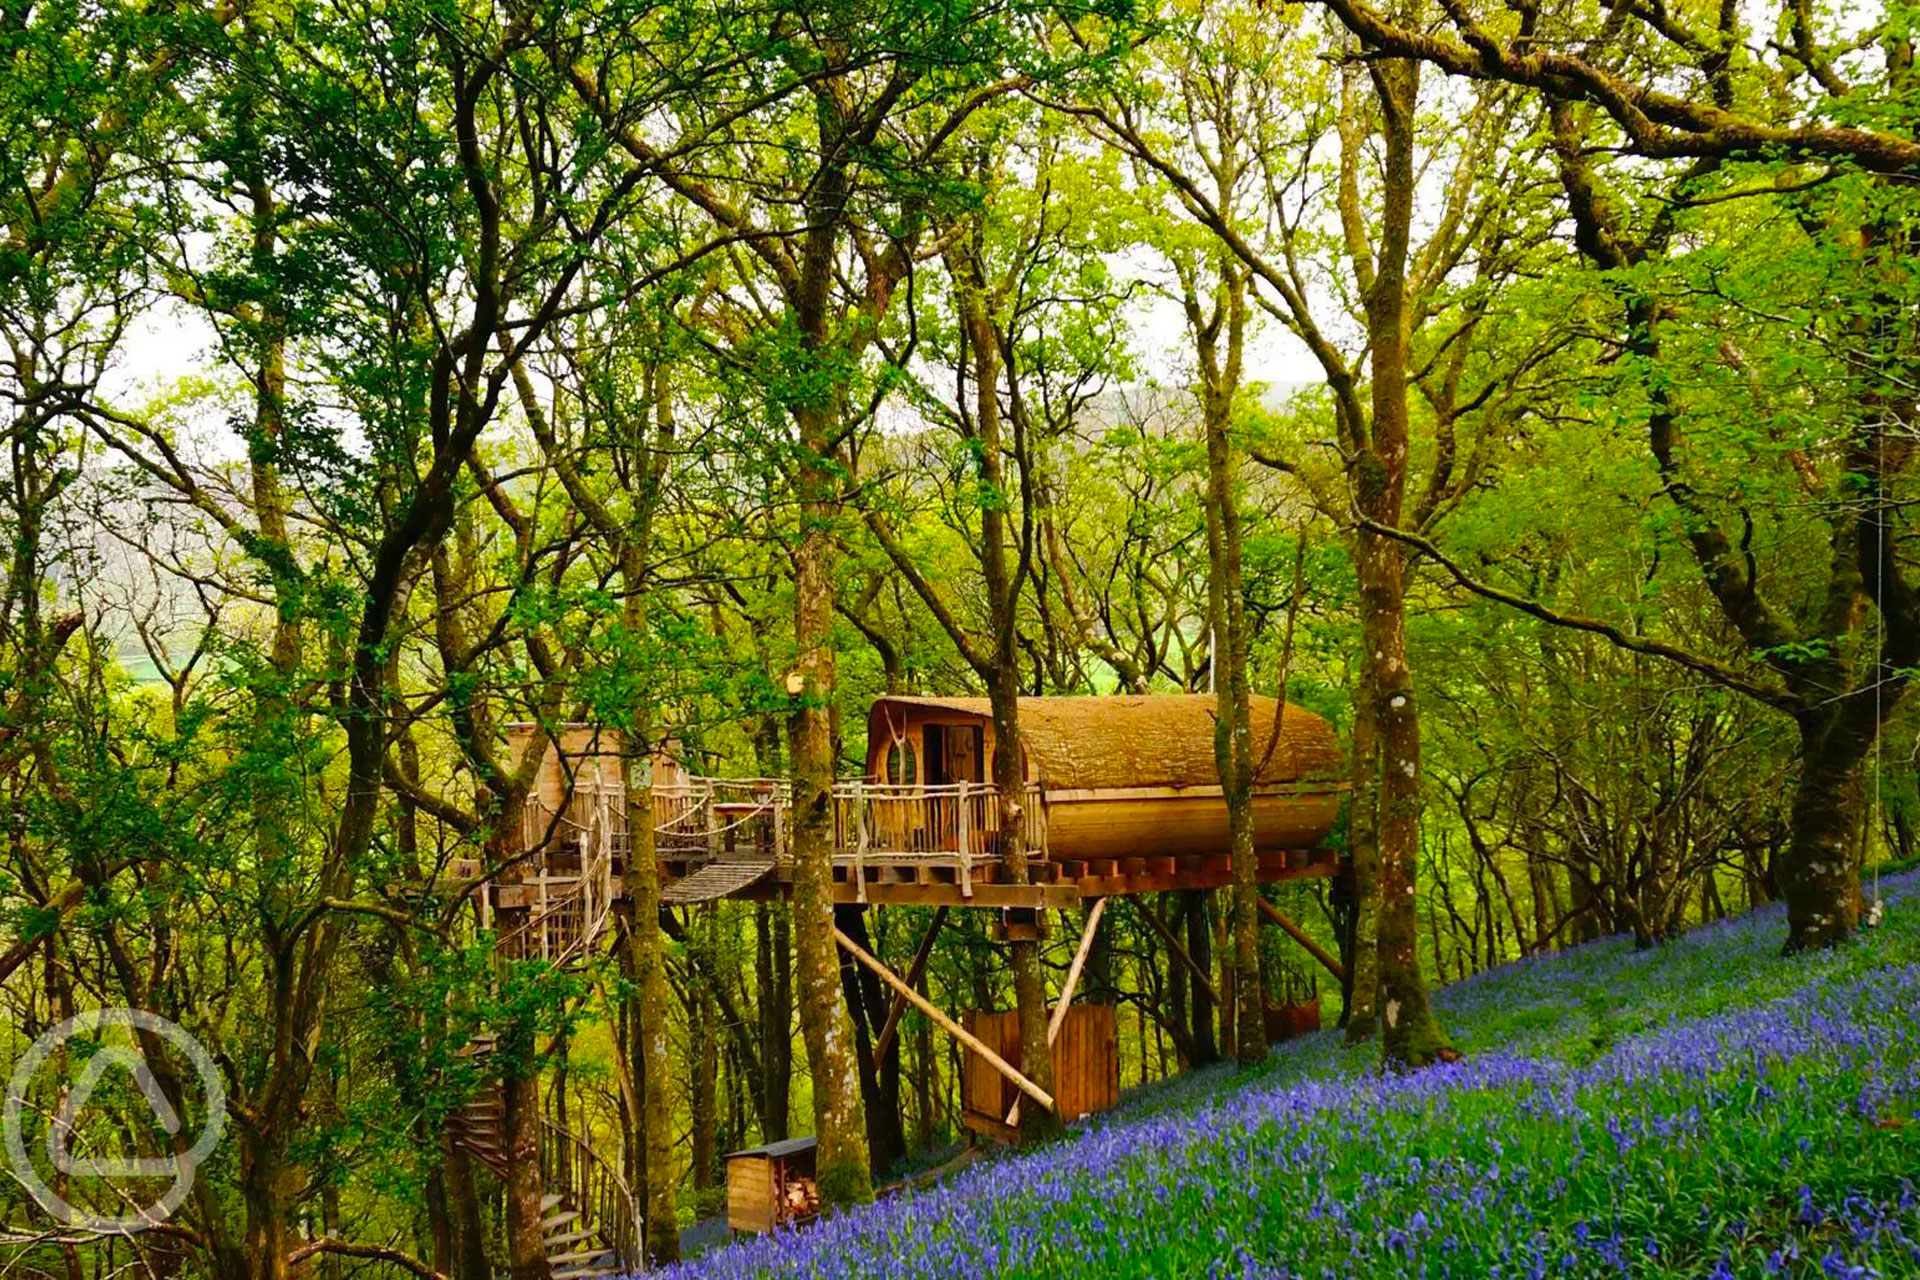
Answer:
[(714, 881)]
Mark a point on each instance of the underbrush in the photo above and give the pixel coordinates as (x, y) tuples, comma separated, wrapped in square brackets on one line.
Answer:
[(1708, 1108)]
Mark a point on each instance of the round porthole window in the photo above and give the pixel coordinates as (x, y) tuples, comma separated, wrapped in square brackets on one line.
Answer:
[(902, 768)]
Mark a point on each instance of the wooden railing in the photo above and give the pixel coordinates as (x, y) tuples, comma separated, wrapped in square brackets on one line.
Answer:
[(739, 818), (961, 818), (745, 819), (955, 826), (570, 883), (573, 1167)]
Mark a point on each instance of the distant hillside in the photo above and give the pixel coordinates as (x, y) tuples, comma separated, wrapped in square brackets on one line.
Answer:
[(1707, 1109)]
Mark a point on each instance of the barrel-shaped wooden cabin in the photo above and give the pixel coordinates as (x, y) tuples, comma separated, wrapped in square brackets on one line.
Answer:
[(1120, 777)]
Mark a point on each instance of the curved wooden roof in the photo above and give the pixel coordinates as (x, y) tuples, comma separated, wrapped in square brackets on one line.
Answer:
[(1149, 740)]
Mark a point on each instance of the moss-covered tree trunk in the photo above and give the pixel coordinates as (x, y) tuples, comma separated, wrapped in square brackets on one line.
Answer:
[(843, 1171), (1363, 858), (646, 957), (520, 1141), (1219, 335), (1003, 690), (1412, 1035), (465, 1225)]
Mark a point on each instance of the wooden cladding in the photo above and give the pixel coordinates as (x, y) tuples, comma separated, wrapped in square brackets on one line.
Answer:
[(1086, 1066)]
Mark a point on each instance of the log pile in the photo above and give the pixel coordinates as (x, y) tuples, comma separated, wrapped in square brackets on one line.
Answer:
[(802, 1198)]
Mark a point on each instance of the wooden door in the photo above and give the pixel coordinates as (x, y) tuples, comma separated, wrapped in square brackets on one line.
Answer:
[(936, 756), (965, 760)]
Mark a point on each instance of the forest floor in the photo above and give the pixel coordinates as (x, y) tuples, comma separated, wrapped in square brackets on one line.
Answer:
[(1708, 1108)]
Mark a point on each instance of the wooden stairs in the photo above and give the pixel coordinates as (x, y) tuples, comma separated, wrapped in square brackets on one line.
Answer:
[(589, 1217)]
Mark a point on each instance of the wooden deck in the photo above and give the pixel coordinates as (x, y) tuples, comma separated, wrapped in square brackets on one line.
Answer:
[(914, 846), (906, 882)]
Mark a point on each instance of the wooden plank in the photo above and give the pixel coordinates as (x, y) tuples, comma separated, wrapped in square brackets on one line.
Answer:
[(1301, 936), (899, 1008), (940, 1019), (750, 1194), (985, 1092)]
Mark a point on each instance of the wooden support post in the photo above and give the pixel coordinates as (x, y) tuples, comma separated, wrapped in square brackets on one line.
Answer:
[(1074, 970), (945, 1023), (1179, 951), (860, 843), (963, 823), (899, 1008), (1301, 936), (1060, 1010)]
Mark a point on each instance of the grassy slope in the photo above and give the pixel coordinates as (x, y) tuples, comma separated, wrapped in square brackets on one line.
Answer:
[(1710, 1109)]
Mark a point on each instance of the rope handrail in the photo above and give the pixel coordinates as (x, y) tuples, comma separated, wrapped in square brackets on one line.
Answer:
[(514, 943)]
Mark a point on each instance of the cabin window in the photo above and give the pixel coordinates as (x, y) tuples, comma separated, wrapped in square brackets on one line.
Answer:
[(902, 767)]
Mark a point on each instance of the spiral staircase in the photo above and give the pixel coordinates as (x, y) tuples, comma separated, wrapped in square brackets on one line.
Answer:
[(590, 1218), (555, 907)]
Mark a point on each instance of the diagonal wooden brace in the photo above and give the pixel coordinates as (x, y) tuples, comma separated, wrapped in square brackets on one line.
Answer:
[(947, 1024), (1302, 937), (1174, 945), (1060, 1010)]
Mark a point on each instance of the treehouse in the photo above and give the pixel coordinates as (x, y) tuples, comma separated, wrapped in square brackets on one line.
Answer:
[(555, 899), (1120, 797)]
